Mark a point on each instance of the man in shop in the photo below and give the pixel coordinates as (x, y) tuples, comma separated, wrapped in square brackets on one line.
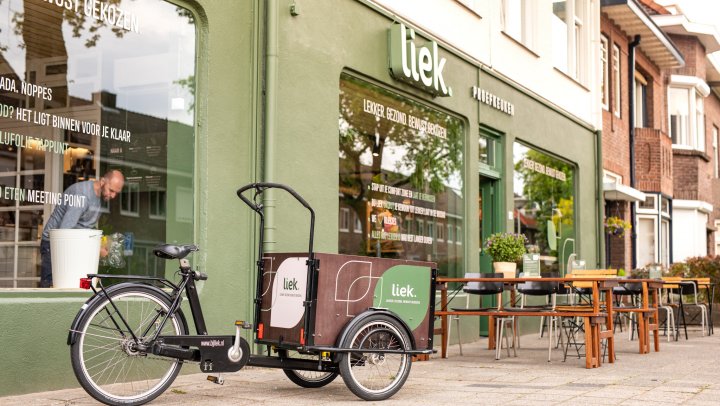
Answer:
[(80, 208)]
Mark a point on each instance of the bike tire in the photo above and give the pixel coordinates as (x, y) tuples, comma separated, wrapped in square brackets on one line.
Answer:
[(307, 379), (376, 376), (103, 359)]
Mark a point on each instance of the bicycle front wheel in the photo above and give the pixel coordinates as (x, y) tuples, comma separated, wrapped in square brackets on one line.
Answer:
[(105, 357)]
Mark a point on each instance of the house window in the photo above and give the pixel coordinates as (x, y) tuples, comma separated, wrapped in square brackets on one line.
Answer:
[(344, 220), (686, 107), (440, 231), (616, 80), (604, 85), (518, 20), (156, 202), (716, 158), (450, 233), (130, 200), (458, 235), (640, 101), (653, 230), (569, 35), (358, 224)]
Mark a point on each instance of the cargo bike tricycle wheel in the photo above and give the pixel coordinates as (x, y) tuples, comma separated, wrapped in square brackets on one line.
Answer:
[(376, 375), (307, 379)]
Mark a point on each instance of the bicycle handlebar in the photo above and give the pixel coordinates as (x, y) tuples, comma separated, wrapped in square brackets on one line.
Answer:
[(261, 187)]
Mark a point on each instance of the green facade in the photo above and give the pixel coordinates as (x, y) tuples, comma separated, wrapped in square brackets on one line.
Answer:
[(300, 69)]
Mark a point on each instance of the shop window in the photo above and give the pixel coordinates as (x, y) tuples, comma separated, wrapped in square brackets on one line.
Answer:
[(544, 212), (604, 65), (104, 97), (518, 20), (403, 160), (570, 37)]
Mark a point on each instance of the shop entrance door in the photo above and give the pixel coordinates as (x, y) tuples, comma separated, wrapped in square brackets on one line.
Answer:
[(487, 224)]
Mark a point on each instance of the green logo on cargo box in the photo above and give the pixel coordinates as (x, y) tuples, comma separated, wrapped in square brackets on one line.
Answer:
[(405, 289)]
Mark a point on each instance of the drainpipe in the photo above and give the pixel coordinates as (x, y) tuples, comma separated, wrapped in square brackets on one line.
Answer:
[(631, 125), (599, 198), (271, 68)]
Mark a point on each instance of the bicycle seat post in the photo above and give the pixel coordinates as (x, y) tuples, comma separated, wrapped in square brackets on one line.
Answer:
[(185, 265)]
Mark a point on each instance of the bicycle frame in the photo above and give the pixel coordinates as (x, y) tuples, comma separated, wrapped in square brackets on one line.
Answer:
[(187, 284)]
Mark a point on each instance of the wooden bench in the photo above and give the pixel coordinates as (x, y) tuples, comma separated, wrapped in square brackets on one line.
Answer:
[(593, 335)]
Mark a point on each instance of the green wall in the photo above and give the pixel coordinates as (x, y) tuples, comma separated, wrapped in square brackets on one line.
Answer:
[(314, 47), (34, 322)]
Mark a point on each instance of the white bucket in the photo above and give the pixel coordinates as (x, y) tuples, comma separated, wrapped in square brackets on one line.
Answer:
[(74, 253)]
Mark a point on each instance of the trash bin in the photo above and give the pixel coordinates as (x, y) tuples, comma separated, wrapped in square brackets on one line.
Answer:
[(74, 254)]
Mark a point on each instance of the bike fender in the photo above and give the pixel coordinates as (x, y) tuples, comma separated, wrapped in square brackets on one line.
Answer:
[(370, 312), (72, 333)]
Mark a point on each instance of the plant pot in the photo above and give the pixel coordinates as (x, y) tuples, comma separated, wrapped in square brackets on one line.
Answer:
[(506, 268)]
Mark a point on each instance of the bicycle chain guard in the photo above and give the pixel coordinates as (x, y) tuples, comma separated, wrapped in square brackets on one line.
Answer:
[(213, 351)]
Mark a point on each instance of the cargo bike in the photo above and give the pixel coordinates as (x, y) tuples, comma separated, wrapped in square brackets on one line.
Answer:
[(317, 315)]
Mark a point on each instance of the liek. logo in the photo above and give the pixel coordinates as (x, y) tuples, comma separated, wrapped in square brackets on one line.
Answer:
[(212, 343), (419, 66), (290, 284), (405, 291)]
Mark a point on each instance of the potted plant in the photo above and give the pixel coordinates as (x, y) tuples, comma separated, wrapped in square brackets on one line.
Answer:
[(505, 249), (616, 226)]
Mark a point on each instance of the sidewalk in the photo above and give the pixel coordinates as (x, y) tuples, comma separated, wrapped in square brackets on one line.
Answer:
[(683, 372)]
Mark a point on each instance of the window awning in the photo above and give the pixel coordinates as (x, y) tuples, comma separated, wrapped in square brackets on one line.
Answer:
[(616, 191), (633, 20)]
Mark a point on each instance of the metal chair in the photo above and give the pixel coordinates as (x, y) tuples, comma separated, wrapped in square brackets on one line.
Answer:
[(548, 289), (485, 288)]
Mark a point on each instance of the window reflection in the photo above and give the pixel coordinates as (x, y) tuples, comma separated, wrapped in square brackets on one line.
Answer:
[(400, 174), (544, 205), (103, 97)]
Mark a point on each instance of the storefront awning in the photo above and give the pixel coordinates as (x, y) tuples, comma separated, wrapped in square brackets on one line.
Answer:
[(616, 191), (633, 20)]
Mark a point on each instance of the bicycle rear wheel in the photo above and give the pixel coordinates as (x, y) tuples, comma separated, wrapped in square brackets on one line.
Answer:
[(376, 375), (105, 358), (307, 379)]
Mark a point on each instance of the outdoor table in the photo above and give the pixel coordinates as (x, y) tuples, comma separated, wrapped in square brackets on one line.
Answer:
[(593, 315)]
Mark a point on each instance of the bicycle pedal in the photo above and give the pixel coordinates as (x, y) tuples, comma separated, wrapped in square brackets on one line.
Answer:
[(219, 380), (243, 324)]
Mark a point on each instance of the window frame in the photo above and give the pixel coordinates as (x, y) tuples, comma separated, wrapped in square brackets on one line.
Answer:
[(131, 191), (617, 81), (605, 66)]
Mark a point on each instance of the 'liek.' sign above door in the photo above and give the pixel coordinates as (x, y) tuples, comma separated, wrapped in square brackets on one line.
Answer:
[(419, 66)]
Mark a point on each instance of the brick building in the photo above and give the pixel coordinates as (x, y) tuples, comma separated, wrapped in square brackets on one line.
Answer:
[(637, 152)]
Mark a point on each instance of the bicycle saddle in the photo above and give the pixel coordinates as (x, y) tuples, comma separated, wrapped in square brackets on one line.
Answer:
[(170, 251)]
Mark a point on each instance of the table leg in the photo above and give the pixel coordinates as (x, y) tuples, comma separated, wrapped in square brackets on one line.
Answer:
[(589, 344), (443, 324), (609, 326), (491, 333)]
